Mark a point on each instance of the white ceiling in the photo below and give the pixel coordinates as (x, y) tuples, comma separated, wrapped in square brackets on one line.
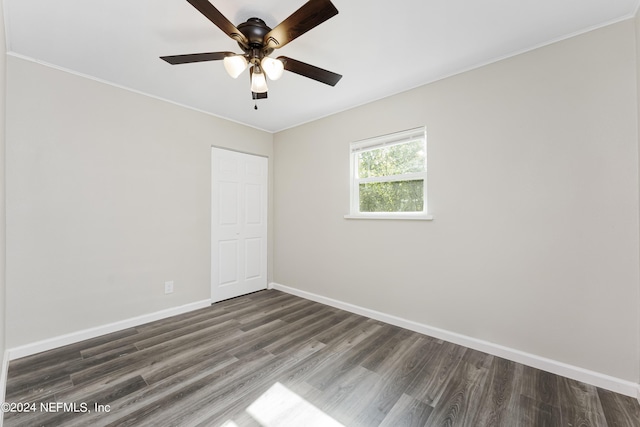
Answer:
[(380, 47)]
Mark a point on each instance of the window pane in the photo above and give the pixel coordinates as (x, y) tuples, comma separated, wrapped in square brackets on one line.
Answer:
[(395, 196), (393, 160)]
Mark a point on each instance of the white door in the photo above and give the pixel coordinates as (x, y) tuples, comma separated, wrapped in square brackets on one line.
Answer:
[(238, 224)]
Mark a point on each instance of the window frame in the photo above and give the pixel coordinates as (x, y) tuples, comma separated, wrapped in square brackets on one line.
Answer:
[(378, 142)]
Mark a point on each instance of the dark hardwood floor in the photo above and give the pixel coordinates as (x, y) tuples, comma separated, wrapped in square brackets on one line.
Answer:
[(273, 359)]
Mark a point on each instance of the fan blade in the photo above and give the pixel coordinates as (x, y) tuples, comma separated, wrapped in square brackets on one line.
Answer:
[(214, 15), (196, 57), (310, 71), (310, 15)]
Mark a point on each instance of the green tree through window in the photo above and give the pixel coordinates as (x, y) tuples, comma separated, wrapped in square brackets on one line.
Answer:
[(393, 196), (399, 196)]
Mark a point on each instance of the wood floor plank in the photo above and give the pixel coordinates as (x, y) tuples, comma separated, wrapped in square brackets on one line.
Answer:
[(123, 409), (202, 356), (338, 332), (619, 410), (309, 309), (463, 389), (261, 309), (14, 418), (58, 375), (305, 332), (396, 373), (407, 412), (36, 391), (307, 359), (494, 408), (352, 356), (191, 361), (174, 407), (539, 385), (226, 396), (186, 333), (251, 388), (385, 355), (585, 408), (345, 400), (532, 413), (207, 367), (459, 403), (293, 307), (62, 355), (87, 403), (149, 356), (430, 382), (149, 336), (279, 335)]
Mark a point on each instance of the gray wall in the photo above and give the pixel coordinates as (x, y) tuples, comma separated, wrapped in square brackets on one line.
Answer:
[(3, 67), (108, 196), (533, 181), (637, 27)]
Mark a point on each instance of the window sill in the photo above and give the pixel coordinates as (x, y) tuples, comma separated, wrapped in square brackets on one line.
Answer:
[(403, 216)]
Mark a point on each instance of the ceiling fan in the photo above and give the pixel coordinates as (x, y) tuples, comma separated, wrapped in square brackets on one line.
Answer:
[(258, 41)]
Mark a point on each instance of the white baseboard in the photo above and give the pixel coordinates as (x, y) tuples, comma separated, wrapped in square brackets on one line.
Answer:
[(3, 381), (597, 379), (74, 337)]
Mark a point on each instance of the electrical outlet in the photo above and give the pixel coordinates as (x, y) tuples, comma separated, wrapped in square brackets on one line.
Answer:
[(168, 287)]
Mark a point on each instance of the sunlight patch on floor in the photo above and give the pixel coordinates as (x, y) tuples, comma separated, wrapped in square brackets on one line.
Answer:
[(282, 407)]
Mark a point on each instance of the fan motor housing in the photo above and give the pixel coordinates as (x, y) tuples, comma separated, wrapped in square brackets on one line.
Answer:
[(254, 30)]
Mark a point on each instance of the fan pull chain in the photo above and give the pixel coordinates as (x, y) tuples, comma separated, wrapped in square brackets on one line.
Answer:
[(255, 107)]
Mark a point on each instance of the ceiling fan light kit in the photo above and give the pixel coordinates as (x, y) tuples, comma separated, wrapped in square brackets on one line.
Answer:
[(258, 41), (258, 81), (235, 65), (273, 68)]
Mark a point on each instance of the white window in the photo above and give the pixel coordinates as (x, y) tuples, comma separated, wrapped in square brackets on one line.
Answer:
[(389, 176)]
